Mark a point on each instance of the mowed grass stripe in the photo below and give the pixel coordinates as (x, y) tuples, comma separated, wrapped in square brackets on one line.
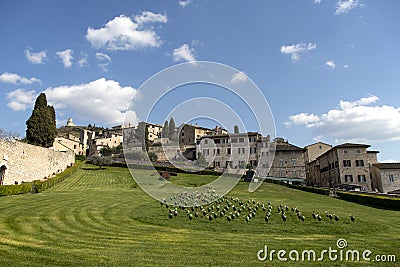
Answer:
[(101, 218)]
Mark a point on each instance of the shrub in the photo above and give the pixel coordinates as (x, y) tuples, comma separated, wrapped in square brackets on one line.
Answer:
[(373, 201)]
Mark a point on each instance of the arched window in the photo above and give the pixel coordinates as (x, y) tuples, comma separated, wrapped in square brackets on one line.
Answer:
[(3, 169)]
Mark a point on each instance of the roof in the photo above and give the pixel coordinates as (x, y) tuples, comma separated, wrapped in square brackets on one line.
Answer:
[(350, 145), (317, 144), (394, 165), (231, 135), (373, 151), (286, 146)]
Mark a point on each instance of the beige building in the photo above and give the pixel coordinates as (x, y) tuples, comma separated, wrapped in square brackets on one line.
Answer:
[(288, 161), (343, 164), (154, 131), (231, 152), (386, 177), (64, 144), (112, 139), (312, 152), (189, 134)]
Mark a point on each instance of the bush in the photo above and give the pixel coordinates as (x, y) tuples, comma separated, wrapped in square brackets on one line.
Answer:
[(80, 157), (373, 201)]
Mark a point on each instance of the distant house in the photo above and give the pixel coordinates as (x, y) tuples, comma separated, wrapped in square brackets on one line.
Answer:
[(189, 134), (343, 164), (386, 177), (288, 161), (312, 152)]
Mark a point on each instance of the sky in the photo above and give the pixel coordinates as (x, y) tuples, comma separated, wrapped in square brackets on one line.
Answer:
[(329, 70)]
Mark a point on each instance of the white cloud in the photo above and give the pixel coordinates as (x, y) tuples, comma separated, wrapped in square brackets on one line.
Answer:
[(17, 79), (317, 1), (35, 57), (104, 60), (296, 49), (330, 64), (20, 100), (345, 66), (100, 101), (184, 53), (238, 77), (83, 62), (150, 17), (344, 6), (66, 57), (354, 121), (184, 3), (390, 161), (122, 33)]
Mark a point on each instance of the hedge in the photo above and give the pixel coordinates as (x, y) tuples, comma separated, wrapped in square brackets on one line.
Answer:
[(38, 186), (373, 201)]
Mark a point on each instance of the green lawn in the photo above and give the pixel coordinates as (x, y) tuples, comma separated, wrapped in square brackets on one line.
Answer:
[(101, 218)]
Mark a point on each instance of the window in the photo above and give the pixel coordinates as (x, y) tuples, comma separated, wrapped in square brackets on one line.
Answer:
[(206, 141), (360, 163), (348, 178), (265, 165), (358, 151), (281, 162), (217, 141), (74, 146), (216, 151), (216, 164), (336, 164), (228, 151), (264, 144), (234, 140), (241, 140), (391, 178), (361, 178), (345, 151), (183, 134), (241, 164), (264, 153), (346, 163), (253, 150), (282, 174), (241, 150), (206, 152), (293, 162), (294, 173), (320, 147)]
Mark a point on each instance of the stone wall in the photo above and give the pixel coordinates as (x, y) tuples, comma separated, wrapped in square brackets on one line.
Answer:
[(26, 162)]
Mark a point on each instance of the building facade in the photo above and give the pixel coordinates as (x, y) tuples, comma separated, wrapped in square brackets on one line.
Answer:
[(386, 177), (288, 161), (343, 164)]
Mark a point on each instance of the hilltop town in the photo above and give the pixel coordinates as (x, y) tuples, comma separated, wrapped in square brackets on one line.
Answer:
[(347, 166)]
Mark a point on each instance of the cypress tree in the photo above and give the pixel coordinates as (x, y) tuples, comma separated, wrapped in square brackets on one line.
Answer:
[(165, 130), (41, 126), (171, 128)]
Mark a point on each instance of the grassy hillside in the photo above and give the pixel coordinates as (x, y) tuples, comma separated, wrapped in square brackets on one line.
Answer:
[(102, 218)]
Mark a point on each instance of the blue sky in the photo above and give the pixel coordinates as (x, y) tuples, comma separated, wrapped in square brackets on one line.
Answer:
[(329, 69)]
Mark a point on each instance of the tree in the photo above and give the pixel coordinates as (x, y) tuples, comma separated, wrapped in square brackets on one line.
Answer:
[(106, 151), (142, 135), (41, 126), (165, 130), (236, 129), (100, 161), (171, 127)]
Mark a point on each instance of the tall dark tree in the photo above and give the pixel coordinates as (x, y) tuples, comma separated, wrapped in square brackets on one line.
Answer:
[(236, 129), (142, 135), (165, 130), (41, 127), (171, 128)]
